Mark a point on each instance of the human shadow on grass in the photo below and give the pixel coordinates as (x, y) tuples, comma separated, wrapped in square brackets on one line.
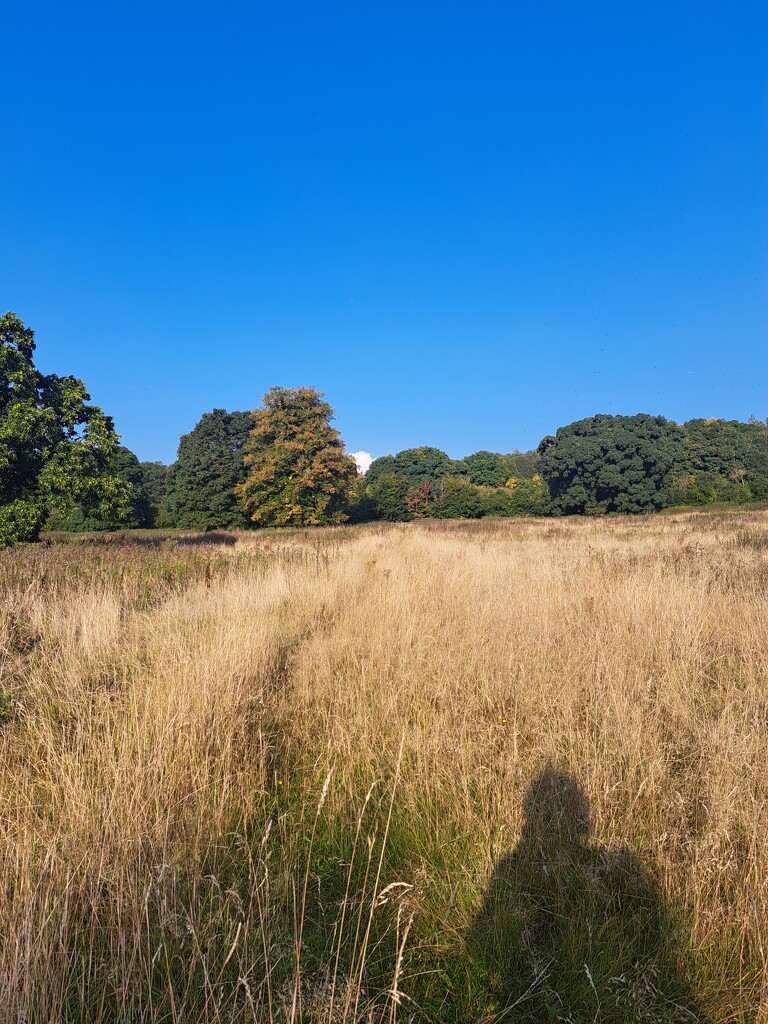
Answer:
[(569, 931)]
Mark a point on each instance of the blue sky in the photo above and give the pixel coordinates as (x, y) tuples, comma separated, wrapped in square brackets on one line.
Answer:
[(466, 223)]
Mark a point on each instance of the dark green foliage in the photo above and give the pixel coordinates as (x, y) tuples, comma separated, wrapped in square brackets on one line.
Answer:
[(383, 466), (523, 465), (362, 507), (456, 498), (705, 488), (209, 465), (432, 485), (413, 465), (639, 463), (155, 477), (55, 448), (135, 513), (624, 464), (486, 469), (520, 498), (612, 463), (127, 467), (490, 469), (389, 493), (722, 446), (726, 461)]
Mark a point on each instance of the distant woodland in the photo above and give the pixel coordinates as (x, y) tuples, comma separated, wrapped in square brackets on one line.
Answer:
[(62, 466)]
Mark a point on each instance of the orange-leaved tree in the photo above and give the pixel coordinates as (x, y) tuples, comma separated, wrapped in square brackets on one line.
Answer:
[(298, 474)]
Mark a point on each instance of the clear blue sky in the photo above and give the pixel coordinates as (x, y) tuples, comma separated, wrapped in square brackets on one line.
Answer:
[(467, 223)]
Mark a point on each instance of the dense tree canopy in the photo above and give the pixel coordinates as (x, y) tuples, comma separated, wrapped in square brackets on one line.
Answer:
[(604, 464), (155, 479), (520, 497), (55, 448), (491, 469), (61, 465), (455, 497), (425, 482), (486, 469), (612, 463), (297, 472), (413, 465), (208, 468), (728, 461), (388, 493), (639, 463), (134, 513), (383, 466), (483, 468)]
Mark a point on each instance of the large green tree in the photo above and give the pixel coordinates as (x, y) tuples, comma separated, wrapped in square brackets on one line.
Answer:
[(389, 496), (455, 497), (612, 463), (208, 468), (490, 469), (298, 474), (55, 448), (135, 512), (383, 466), (414, 465), (485, 469), (520, 497), (728, 461)]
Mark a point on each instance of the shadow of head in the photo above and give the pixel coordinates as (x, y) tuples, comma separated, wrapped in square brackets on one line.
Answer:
[(555, 808)]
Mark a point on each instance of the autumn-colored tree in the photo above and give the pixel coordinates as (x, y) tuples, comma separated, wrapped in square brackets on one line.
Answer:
[(298, 474), (418, 498)]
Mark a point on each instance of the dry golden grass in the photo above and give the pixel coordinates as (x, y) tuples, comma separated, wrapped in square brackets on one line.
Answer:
[(271, 780)]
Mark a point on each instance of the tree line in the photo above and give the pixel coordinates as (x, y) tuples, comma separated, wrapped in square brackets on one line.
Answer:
[(283, 464)]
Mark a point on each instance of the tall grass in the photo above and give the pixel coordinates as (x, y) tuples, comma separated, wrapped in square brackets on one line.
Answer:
[(299, 777)]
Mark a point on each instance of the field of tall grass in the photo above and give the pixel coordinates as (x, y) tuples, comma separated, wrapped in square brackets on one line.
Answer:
[(455, 772)]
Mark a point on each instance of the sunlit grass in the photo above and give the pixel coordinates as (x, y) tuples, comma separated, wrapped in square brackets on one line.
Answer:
[(284, 776)]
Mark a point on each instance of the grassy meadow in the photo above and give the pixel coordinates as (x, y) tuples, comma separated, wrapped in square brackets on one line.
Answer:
[(434, 772)]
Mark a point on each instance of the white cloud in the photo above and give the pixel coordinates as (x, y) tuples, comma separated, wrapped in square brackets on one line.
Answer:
[(363, 460)]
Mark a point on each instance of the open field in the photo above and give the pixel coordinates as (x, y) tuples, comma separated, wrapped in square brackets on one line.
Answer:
[(417, 772)]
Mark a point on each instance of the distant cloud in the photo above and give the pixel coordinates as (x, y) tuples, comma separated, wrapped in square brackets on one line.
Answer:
[(363, 460)]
